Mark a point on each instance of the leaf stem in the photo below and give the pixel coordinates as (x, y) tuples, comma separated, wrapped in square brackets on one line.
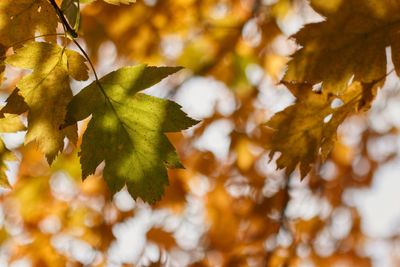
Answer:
[(71, 32), (90, 63)]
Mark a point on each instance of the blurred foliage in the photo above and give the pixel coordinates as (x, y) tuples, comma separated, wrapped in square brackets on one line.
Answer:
[(234, 209)]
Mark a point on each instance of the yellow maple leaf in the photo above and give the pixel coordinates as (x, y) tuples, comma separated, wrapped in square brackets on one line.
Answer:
[(19, 20), (349, 45), (47, 92), (307, 129)]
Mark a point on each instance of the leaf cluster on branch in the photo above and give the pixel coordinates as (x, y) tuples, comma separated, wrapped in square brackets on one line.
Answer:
[(126, 129), (265, 179)]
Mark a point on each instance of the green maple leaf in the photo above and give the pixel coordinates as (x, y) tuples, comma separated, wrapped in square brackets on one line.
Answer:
[(46, 92), (127, 130)]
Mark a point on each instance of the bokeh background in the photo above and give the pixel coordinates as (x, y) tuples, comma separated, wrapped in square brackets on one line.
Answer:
[(229, 206)]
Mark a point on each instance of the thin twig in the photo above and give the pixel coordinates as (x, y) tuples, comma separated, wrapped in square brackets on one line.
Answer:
[(90, 63), (64, 21), (72, 33)]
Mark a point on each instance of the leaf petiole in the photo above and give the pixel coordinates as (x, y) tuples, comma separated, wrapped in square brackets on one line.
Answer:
[(69, 30)]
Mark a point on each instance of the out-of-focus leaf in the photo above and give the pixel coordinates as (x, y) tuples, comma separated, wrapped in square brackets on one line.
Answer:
[(307, 129), (350, 44), (8, 124), (114, 2), (11, 123), (5, 154), (161, 238)]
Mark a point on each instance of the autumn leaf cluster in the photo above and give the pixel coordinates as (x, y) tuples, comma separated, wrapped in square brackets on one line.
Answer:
[(258, 177)]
